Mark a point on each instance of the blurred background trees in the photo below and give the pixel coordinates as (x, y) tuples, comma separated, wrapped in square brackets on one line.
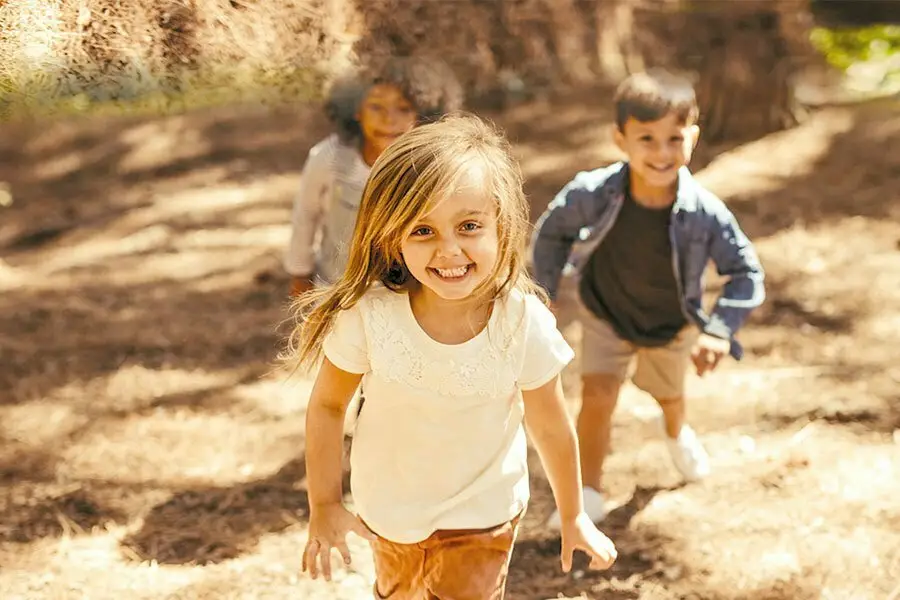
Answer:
[(172, 54)]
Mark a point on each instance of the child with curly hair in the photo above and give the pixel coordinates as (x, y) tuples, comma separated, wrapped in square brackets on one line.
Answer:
[(369, 109)]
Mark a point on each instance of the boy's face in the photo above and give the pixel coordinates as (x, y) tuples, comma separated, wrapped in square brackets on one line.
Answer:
[(657, 149), (384, 115)]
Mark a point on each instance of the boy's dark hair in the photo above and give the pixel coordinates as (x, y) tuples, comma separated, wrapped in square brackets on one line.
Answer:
[(652, 95), (428, 83)]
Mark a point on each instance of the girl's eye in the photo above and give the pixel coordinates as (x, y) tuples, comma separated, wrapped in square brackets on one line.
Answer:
[(470, 226), (421, 231), (677, 139), (646, 138)]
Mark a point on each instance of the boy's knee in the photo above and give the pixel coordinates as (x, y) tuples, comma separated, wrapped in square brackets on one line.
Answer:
[(600, 391)]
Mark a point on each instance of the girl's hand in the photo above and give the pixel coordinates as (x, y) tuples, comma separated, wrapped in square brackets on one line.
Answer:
[(581, 534), (328, 528)]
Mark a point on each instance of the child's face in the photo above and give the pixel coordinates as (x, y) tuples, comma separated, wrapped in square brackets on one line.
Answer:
[(453, 249), (384, 115), (657, 149)]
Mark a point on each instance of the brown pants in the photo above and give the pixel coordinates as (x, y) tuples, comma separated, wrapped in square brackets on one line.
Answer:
[(463, 564)]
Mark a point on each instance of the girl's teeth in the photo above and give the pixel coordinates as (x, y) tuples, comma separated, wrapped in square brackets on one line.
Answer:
[(458, 272)]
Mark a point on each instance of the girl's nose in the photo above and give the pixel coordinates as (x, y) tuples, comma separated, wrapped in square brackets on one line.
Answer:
[(448, 247)]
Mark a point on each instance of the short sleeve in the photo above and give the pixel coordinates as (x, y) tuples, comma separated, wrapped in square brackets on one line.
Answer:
[(345, 345), (546, 351)]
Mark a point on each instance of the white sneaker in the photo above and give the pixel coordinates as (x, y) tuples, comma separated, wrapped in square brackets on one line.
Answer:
[(687, 453), (594, 507)]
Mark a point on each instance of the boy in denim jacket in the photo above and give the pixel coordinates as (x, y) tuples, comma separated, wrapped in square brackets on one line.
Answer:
[(628, 245)]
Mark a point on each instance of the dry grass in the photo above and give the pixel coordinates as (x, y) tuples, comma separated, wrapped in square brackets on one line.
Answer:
[(147, 450)]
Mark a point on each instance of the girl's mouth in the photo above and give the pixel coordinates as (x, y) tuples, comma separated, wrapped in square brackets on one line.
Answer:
[(454, 274)]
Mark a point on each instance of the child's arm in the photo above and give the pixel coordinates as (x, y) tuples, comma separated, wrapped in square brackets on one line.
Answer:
[(559, 227), (735, 258), (551, 430), (329, 521), (306, 218)]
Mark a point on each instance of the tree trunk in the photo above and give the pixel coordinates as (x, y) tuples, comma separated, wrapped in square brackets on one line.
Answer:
[(617, 49), (746, 55), (743, 55)]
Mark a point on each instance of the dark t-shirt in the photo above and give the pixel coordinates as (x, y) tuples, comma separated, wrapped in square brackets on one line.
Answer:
[(629, 280)]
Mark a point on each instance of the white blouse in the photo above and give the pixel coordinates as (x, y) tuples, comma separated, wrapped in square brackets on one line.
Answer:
[(440, 442)]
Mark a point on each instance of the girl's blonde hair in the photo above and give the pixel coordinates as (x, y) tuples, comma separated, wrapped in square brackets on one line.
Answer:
[(422, 167)]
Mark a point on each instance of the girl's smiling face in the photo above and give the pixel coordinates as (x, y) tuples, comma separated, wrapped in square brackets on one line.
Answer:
[(454, 247), (384, 115)]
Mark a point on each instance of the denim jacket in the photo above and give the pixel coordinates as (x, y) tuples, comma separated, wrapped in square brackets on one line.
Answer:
[(701, 228)]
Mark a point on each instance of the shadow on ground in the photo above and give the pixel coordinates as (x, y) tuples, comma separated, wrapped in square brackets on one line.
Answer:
[(66, 332)]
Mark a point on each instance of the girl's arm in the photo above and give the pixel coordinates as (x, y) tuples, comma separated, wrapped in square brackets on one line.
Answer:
[(551, 431), (331, 394), (329, 521), (553, 435)]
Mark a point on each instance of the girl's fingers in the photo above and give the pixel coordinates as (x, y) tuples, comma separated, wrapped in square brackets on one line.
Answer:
[(601, 559), (325, 561), (303, 558), (311, 557), (600, 564), (601, 550), (565, 556), (344, 551)]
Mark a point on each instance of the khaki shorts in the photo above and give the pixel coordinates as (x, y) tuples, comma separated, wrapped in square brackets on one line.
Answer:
[(463, 564), (659, 371)]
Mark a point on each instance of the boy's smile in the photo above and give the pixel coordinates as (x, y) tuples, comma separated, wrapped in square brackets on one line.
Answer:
[(656, 150)]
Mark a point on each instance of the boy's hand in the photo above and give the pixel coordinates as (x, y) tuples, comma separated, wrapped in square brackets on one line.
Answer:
[(707, 353), (301, 284), (581, 534), (328, 529)]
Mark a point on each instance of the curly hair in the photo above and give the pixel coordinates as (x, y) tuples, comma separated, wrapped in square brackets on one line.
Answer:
[(428, 83)]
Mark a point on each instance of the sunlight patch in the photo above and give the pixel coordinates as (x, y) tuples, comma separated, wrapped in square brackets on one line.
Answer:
[(753, 169), (159, 144), (179, 448)]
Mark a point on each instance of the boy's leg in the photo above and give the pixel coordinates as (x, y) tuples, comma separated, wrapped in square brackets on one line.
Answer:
[(469, 564), (661, 372), (604, 365), (599, 394), (398, 570)]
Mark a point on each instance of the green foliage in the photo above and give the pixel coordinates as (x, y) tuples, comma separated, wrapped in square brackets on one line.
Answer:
[(845, 47)]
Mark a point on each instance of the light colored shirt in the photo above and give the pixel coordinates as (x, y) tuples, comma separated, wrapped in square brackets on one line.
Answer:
[(440, 443), (325, 208)]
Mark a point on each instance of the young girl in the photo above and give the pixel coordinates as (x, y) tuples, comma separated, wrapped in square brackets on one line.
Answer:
[(369, 110), (435, 312)]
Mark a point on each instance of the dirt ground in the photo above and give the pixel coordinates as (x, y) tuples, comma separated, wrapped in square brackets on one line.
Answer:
[(148, 450)]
